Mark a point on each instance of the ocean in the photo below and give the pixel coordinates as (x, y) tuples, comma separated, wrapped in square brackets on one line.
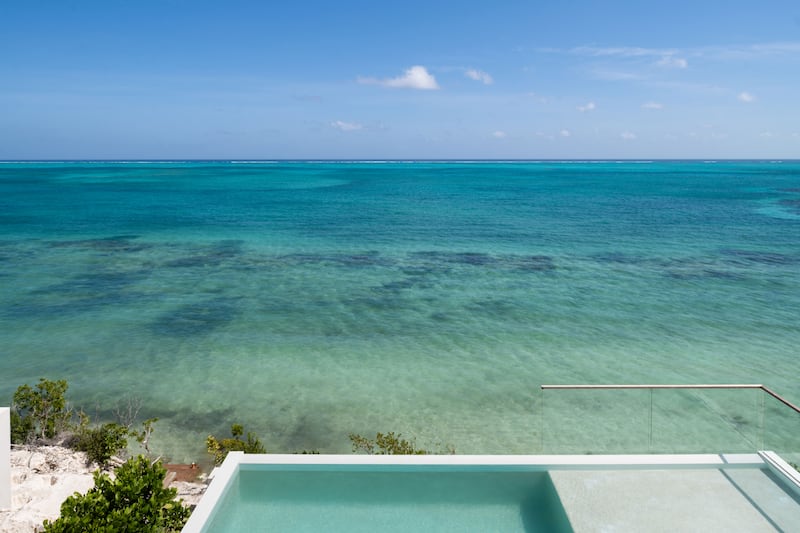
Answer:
[(308, 300)]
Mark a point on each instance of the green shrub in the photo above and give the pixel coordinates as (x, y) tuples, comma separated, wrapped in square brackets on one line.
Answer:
[(220, 448), (134, 502), (386, 444), (40, 411), (102, 442)]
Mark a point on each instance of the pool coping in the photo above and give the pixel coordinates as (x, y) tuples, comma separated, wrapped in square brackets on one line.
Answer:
[(223, 475)]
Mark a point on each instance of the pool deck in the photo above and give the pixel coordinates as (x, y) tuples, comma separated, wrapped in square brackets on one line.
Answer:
[(676, 500), (612, 493)]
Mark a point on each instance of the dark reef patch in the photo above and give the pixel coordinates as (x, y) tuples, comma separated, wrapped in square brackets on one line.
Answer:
[(793, 204), (118, 243), (745, 257), (354, 260), (705, 273), (619, 258), (463, 258), (492, 306), (199, 318), (212, 255), (533, 263), (82, 293)]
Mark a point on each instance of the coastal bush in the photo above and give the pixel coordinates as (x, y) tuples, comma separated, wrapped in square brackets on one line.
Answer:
[(102, 442), (220, 448), (386, 444), (40, 411), (135, 502), (143, 436)]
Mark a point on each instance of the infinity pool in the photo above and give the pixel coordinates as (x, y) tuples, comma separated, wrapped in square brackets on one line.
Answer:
[(399, 498), (555, 493)]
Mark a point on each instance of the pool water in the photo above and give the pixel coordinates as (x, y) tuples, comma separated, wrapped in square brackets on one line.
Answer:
[(352, 499)]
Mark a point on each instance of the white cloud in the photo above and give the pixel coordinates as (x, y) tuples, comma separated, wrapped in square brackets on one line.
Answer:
[(346, 126), (499, 134), (652, 105), (723, 52), (416, 77), (746, 97), (628, 136), (539, 98), (621, 51), (670, 61), (564, 133), (588, 107), (615, 75), (766, 134), (479, 75)]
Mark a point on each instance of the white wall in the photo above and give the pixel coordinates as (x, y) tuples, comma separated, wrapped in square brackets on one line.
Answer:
[(5, 458)]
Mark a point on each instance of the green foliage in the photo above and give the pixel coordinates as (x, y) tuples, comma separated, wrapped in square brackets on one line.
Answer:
[(386, 444), (135, 502), (41, 411), (220, 448), (21, 428), (143, 436), (102, 442)]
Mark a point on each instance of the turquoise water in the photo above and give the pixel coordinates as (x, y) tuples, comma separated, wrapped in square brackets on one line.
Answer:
[(310, 300), (401, 500)]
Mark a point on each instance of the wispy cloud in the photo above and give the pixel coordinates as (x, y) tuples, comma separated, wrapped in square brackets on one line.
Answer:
[(627, 136), (346, 126), (590, 106), (669, 56), (652, 105), (564, 133), (746, 97), (615, 75), (499, 134), (416, 77), (479, 75), (619, 51), (672, 62)]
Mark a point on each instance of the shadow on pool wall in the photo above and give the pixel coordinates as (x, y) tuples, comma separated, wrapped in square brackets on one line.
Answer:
[(542, 511)]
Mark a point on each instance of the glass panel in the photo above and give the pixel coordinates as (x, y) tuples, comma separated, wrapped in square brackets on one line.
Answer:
[(781, 430), (596, 421), (661, 421), (706, 420)]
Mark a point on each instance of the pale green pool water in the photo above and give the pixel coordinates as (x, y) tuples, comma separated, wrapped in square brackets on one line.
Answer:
[(401, 499)]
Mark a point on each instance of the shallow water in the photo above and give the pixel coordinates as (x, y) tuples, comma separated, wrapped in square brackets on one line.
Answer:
[(310, 300)]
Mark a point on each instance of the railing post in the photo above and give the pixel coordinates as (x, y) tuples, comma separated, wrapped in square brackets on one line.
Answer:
[(541, 442), (761, 419), (650, 440)]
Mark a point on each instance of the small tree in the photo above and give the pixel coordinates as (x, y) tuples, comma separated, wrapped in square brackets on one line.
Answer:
[(40, 411), (102, 442), (394, 444), (220, 448), (143, 436), (135, 502), (386, 444)]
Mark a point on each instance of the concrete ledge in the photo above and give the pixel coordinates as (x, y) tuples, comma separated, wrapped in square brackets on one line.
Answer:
[(784, 470), (5, 458), (223, 476)]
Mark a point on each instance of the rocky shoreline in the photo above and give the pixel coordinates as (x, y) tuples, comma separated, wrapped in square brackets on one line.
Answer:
[(42, 477)]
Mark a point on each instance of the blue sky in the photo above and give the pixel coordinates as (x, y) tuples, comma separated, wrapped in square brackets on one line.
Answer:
[(372, 80)]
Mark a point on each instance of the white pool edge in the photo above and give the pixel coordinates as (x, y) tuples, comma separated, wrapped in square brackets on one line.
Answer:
[(222, 481)]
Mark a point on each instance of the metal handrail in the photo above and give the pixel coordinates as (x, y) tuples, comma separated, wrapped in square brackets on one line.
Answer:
[(652, 387), (683, 386)]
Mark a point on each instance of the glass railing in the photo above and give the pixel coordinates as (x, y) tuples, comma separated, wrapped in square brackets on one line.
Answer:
[(667, 419)]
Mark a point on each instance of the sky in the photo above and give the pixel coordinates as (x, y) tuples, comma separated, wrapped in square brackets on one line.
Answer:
[(236, 79)]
